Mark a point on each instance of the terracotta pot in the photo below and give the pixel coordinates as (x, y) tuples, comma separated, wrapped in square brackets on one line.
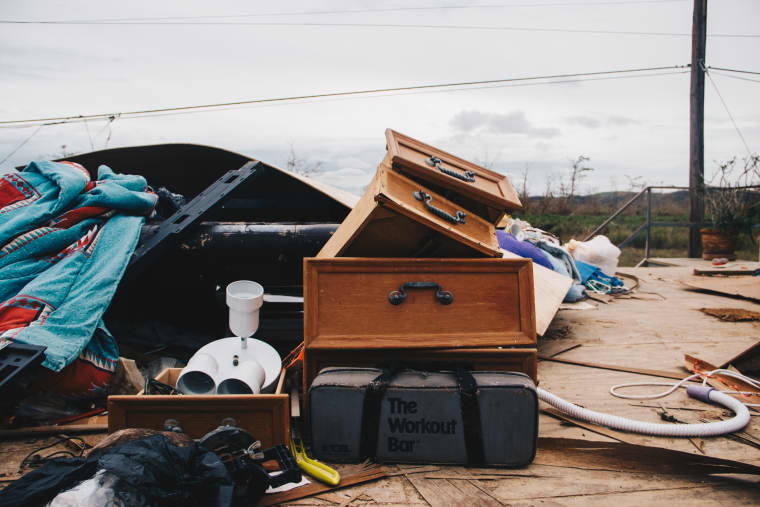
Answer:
[(716, 244)]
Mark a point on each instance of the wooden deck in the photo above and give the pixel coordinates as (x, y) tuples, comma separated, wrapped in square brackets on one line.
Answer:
[(653, 330)]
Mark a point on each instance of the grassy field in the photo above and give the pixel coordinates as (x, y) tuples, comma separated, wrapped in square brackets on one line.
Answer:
[(665, 241)]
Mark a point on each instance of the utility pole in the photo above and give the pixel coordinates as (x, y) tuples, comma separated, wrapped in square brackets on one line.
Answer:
[(697, 127)]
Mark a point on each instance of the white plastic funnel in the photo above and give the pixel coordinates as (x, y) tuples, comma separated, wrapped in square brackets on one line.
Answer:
[(244, 298)]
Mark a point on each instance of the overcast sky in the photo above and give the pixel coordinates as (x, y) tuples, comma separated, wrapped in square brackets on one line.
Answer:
[(634, 127)]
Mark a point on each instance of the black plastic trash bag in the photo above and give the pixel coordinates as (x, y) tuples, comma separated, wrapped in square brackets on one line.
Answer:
[(149, 472)]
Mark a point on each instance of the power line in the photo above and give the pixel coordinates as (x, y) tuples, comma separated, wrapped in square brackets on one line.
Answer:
[(333, 94), (9, 155), (360, 97), (378, 25), (735, 70), (374, 10), (738, 77), (504, 85), (414, 92), (725, 106)]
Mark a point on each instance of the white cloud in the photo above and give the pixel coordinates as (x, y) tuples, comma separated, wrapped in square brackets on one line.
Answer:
[(347, 178), (513, 122), (585, 121), (67, 70)]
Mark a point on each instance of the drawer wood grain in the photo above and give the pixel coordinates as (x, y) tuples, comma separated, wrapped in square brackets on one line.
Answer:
[(348, 303), (484, 192), (391, 220)]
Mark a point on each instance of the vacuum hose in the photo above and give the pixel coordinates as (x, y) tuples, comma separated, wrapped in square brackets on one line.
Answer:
[(704, 393)]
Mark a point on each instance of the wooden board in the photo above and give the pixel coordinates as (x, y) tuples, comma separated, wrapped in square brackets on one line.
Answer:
[(643, 334), (389, 221), (747, 287), (265, 416), (549, 290), (488, 359), (347, 303), (487, 193)]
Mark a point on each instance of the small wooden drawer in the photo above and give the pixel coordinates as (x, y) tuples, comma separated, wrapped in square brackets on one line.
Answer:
[(522, 360), (265, 416), (398, 217), (481, 191), (366, 303)]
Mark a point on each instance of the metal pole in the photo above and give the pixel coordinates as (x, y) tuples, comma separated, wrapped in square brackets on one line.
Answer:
[(697, 127), (614, 215), (649, 221)]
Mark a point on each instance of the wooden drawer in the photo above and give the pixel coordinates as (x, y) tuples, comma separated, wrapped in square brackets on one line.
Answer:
[(488, 359), (395, 219), (348, 303), (486, 193), (265, 416)]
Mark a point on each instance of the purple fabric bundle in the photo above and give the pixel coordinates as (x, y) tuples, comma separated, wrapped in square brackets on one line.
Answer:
[(522, 248)]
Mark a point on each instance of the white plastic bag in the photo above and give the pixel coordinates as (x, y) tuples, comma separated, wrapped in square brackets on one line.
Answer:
[(599, 251)]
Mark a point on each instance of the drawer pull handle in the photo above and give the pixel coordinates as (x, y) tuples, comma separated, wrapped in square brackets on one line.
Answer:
[(423, 196), (468, 176), (397, 297)]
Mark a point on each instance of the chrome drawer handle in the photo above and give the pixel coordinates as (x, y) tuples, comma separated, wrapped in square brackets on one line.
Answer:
[(396, 297), (423, 196), (468, 176)]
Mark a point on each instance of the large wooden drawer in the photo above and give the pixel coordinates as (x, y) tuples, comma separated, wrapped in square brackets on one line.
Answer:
[(487, 359), (398, 217), (265, 416), (483, 192), (367, 303)]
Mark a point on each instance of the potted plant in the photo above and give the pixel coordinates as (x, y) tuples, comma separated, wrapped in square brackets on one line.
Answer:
[(728, 207)]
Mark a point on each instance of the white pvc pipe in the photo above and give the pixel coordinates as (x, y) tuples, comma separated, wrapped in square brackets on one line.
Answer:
[(246, 377), (739, 421), (257, 366), (198, 377)]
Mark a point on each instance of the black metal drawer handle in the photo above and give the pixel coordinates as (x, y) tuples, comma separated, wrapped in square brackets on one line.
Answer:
[(468, 176), (397, 297), (423, 196)]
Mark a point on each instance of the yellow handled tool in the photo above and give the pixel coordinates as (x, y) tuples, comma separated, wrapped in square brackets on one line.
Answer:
[(318, 470), (314, 468)]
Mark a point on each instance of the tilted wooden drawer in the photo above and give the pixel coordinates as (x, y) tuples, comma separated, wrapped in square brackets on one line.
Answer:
[(487, 359), (398, 217), (483, 192), (265, 416), (366, 303)]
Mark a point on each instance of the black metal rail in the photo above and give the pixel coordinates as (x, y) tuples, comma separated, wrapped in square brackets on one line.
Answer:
[(648, 224)]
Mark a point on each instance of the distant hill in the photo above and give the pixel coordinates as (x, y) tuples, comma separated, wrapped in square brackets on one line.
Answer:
[(674, 202)]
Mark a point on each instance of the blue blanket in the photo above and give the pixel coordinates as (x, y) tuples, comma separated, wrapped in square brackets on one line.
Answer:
[(66, 242)]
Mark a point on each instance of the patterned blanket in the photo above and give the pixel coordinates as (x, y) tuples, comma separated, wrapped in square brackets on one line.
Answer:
[(65, 242)]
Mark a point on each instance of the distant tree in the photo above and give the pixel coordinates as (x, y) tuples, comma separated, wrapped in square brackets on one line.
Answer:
[(547, 198), (635, 183), (576, 173), (487, 161), (65, 153), (301, 165), (524, 197)]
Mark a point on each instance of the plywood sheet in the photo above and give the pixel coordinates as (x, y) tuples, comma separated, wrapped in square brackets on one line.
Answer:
[(549, 289), (747, 287)]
